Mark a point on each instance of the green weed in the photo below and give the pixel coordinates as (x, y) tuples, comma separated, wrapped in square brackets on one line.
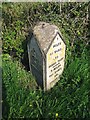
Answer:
[(70, 97)]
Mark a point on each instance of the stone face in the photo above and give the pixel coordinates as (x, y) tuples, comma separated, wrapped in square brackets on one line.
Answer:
[(44, 32), (55, 61), (46, 51), (35, 60)]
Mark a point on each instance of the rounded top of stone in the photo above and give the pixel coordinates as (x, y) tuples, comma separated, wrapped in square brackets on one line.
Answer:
[(45, 33)]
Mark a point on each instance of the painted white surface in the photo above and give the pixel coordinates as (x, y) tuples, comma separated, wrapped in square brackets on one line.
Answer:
[(55, 61)]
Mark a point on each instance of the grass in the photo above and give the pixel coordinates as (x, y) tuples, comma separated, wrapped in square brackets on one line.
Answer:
[(19, 90), (69, 98), (0, 61)]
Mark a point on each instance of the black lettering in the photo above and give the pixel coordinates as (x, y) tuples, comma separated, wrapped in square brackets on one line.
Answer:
[(51, 70), (57, 50), (51, 53), (58, 70), (52, 64), (60, 59), (56, 78), (55, 68), (59, 65), (56, 44), (50, 75), (56, 75), (56, 57), (56, 65)]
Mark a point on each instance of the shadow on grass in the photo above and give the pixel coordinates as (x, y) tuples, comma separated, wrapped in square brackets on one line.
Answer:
[(24, 59), (5, 105)]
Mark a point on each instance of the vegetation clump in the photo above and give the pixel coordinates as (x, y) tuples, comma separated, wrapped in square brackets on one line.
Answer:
[(22, 98)]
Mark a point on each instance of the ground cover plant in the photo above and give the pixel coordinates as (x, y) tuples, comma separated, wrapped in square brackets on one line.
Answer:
[(70, 97)]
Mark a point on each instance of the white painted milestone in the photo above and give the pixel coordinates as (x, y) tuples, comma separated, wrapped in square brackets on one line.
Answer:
[(46, 52), (55, 61)]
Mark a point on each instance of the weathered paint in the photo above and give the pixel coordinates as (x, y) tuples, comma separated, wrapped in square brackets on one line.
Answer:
[(46, 50), (55, 61), (44, 33), (35, 61)]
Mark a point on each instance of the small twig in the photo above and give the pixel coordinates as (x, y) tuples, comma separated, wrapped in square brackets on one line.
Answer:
[(29, 21), (60, 6)]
